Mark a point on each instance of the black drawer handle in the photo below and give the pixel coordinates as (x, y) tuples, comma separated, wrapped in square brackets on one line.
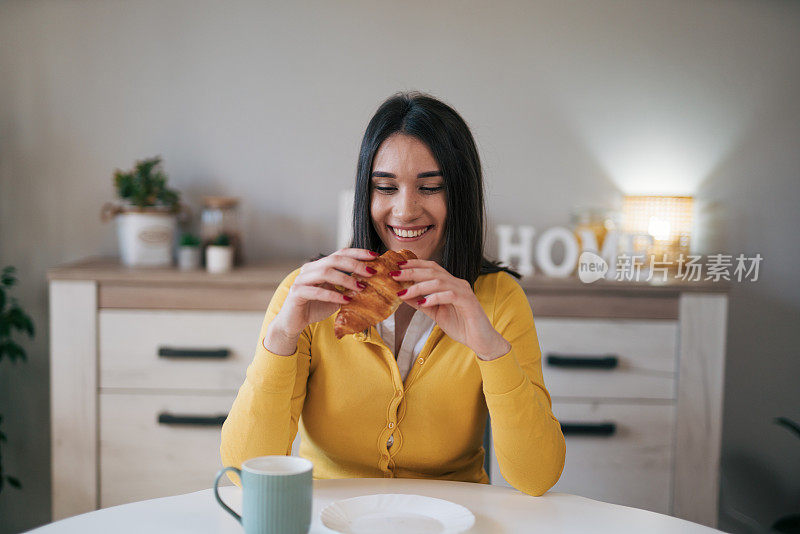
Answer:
[(194, 420), (588, 429), (166, 352), (608, 361)]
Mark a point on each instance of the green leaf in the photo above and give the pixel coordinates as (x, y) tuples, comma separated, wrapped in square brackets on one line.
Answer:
[(14, 482), (12, 350), (145, 167), (222, 240), (28, 326), (20, 320), (189, 240), (8, 279), (145, 184), (788, 423), (124, 183)]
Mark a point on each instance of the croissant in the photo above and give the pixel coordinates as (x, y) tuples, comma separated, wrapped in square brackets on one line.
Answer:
[(375, 302)]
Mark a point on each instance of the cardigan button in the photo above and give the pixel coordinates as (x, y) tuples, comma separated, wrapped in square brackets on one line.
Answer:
[(421, 361), (391, 425)]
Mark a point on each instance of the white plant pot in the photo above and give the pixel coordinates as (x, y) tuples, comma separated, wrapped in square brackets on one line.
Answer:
[(188, 258), (219, 259), (146, 238)]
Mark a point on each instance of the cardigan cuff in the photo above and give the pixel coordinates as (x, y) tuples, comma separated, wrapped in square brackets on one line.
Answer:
[(502, 374), (274, 368)]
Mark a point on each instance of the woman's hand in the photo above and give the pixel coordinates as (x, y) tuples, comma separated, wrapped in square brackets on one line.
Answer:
[(451, 302), (313, 296)]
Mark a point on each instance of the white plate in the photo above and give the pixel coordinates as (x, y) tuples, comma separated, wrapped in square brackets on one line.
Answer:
[(396, 514)]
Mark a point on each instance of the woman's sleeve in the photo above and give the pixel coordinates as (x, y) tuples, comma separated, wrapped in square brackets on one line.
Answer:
[(263, 418), (526, 435)]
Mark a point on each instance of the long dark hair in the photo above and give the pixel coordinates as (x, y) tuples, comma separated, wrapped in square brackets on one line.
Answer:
[(443, 130)]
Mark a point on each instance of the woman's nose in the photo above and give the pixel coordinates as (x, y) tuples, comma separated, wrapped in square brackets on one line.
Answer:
[(406, 206)]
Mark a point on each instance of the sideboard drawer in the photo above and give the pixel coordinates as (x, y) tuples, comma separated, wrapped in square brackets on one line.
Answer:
[(640, 358), (176, 349), (141, 458), (631, 466)]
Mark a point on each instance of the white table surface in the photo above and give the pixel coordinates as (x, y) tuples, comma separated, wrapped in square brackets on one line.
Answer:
[(497, 510)]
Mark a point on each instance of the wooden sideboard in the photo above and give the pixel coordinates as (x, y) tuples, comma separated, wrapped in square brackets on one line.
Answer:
[(145, 364)]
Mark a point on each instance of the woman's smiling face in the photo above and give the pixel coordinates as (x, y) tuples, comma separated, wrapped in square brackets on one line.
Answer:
[(408, 197)]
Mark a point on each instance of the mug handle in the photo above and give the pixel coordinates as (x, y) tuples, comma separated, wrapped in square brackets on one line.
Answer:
[(216, 491)]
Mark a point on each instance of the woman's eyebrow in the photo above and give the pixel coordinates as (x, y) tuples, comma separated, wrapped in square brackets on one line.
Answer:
[(428, 174)]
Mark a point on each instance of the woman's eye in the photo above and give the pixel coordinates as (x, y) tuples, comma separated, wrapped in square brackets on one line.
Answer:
[(425, 189)]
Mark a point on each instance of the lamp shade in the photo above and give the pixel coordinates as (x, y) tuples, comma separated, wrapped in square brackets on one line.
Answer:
[(667, 220)]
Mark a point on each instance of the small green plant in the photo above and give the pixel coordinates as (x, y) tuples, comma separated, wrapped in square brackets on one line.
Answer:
[(12, 317), (190, 240), (145, 185), (222, 240)]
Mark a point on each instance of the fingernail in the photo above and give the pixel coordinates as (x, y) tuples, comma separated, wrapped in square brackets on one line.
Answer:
[(401, 292), (362, 285), (421, 301), (401, 262), (370, 270), (373, 253), (394, 273), (347, 298)]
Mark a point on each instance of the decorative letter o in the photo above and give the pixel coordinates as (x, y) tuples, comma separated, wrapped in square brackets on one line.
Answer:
[(544, 249)]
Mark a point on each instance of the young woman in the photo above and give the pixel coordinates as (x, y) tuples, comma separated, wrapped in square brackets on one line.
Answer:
[(409, 397)]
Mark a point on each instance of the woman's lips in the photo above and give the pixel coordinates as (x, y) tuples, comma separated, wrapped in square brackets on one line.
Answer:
[(407, 239)]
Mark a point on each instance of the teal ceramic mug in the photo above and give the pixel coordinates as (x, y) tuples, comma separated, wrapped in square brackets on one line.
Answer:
[(276, 494)]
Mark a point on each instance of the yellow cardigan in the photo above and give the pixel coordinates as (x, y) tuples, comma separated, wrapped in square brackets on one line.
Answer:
[(352, 398)]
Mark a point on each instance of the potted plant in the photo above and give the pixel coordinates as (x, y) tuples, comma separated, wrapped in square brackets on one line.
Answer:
[(147, 217), (12, 317), (189, 252), (219, 255)]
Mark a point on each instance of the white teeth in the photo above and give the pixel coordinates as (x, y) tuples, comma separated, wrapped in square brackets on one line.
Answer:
[(408, 233)]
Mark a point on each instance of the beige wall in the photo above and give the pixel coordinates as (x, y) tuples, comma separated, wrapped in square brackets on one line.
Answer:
[(570, 102)]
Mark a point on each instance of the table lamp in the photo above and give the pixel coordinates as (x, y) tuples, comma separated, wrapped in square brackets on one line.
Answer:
[(665, 219)]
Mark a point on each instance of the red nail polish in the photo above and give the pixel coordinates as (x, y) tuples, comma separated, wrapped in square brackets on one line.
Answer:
[(370, 270), (421, 301), (348, 299), (401, 262), (402, 292), (394, 273), (373, 253), (360, 284)]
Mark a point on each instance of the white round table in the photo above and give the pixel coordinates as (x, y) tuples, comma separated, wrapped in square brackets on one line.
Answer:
[(497, 510)]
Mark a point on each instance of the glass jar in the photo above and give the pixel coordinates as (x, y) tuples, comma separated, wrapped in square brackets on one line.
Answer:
[(220, 215), (598, 221)]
